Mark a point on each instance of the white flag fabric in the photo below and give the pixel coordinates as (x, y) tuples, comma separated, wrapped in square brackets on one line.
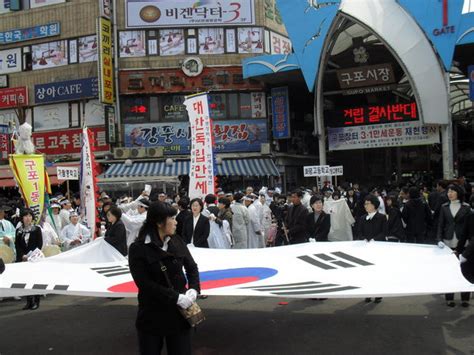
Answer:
[(87, 183), (312, 270)]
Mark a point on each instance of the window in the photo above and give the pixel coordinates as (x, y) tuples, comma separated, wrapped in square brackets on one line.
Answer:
[(173, 108), (233, 105), (217, 106), (136, 109), (245, 106)]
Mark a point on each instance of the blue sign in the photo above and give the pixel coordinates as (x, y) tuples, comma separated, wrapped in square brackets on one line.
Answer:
[(280, 113), (29, 33), (470, 70), (175, 137), (67, 90)]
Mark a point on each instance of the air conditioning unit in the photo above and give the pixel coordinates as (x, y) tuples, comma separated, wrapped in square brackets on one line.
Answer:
[(265, 148), (154, 152), (137, 152), (121, 153)]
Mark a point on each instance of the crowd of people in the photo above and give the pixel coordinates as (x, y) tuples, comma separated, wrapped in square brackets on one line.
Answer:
[(258, 218)]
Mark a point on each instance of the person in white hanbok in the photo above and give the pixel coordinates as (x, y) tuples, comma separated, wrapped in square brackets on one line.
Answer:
[(255, 233), (54, 218), (7, 232), (74, 234), (65, 211), (134, 217), (240, 222), (341, 219)]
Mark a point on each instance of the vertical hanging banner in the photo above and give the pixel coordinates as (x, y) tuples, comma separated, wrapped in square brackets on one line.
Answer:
[(201, 171), (87, 181), (29, 172), (280, 113), (106, 71)]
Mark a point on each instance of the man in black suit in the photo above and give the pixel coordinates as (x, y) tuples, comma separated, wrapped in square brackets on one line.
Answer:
[(296, 219), (372, 226), (184, 213)]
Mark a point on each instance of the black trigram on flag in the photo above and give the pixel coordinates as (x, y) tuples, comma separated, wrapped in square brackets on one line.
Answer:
[(302, 288), (40, 287), (110, 271), (334, 260)]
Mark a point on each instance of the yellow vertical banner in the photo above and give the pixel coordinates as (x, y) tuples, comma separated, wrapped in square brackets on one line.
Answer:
[(106, 71), (30, 176)]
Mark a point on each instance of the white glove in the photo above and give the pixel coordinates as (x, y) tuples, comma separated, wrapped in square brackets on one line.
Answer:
[(441, 245), (312, 240), (184, 301), (192, 294), (462, 259)]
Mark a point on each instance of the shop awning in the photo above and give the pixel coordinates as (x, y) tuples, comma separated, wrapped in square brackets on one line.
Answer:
[(228, 167)]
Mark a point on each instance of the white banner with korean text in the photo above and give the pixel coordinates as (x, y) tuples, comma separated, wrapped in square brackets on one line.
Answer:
[(383, 135), (67, 173), (201, 171)]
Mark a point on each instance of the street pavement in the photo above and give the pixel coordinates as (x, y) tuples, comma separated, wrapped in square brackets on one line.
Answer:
[(245, 325)]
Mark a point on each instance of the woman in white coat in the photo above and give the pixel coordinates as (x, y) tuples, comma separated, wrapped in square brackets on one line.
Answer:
[(256, 238), (240, 222)]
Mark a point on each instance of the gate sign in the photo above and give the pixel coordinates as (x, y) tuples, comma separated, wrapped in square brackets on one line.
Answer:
[(316, 171), (471, 82), (336, 170), (67, 173)]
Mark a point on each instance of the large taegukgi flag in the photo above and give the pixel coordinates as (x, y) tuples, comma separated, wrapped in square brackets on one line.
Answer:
[(201, 172), (87, 181), (32, 179), (330, 270)]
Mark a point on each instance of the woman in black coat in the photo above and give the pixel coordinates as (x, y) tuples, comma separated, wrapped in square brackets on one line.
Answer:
[(28, 238), (466, 252), (196, 227), (417, 216), (451, 228), (318, 222), (155, 252), (395, 225), (116, 234)]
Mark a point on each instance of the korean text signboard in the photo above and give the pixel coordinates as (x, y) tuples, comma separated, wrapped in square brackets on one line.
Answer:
[(175, 137), (4, 142), (201, 172), (280, 113), (167, 13), (66, 90), (67, 173), (316, 170), (106, 79), (13, 97), (371, 75), (378, 136), (29, 33), (336, 170), (10, 61), (377, 114)]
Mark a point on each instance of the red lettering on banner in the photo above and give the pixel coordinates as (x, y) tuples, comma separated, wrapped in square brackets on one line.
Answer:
[(202, 186), (197, 106)]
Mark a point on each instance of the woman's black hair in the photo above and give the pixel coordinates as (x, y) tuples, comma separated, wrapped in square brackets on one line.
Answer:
[(225, 201), (393, 199), (116, 212), (198, 200), (315, 199), (157, 214), (459, 190), (336, 193), (26, 212), (373, 200), (414, 193), (184, 202)]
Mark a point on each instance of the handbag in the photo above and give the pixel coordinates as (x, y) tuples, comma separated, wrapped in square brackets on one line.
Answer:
[(194, 314)]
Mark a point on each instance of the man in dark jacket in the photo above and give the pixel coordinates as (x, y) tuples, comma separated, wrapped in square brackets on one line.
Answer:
[(417, 216), (184, 213), (296, 219)]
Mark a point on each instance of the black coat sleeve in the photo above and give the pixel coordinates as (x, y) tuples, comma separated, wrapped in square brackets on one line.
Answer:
[(383, 228), (117, 237), (143, 279), (322, 236), (441, 222), (190, 268)]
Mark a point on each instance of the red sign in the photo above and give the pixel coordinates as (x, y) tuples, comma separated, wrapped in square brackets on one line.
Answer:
[(68, 141), (13, 97), (4, 146), (367, 115)]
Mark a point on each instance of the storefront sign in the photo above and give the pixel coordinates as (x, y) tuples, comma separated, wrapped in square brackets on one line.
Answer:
[(371, 75), (13, 97), (106, 80), (258, 102), (377, 114), (369, 90), (110, 122), (68, 141), (105, 8), (336, 170), (316, 170), (281, 113), (471, 82), (67, 173), (10, 61), (40, 3), (167, 13), (29, 33), (279, 44), (4, 145), (50, 55), (175, 137), (167, 81), (378, 136), (201, 170), (66, 90)]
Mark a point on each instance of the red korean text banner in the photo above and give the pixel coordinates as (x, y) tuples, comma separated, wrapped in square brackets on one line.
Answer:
[(201, 172), (13, 97), (68, 141)]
